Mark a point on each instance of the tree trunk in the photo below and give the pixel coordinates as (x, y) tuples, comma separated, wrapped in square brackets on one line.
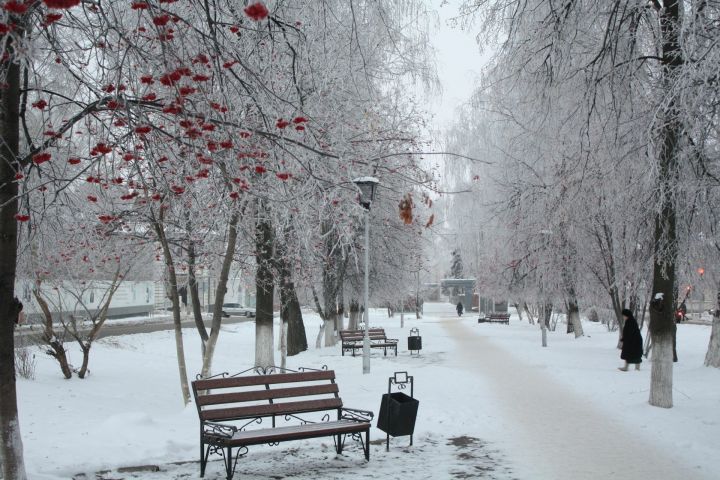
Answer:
[(329, 305), (518, 310), (661, 372), (531, 318), (662, 307), (11, 447), (712, 358), (49, 338), (283, 342), (574, 317), (194, 295), (642, 317), (329, 328), (86, 359), (265, 288), (290, 313), (354, 314), (321, 331), (340, 319), (296, 337), (545, 321), (98, 322), (220, 291), (333, 277), (175, 298)]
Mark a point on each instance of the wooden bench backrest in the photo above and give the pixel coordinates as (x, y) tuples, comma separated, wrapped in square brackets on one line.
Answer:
[(499, 315), (253, 396), (354, 335)]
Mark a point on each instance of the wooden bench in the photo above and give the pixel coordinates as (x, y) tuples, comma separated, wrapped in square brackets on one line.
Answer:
[(495, 318), (228, 406), (351, 340)]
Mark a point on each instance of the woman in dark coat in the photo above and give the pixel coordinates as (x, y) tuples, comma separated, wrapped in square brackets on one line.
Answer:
[(632, 343)]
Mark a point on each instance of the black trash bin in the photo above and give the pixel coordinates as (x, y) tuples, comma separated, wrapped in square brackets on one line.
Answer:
[(414, 341), (398, 412)]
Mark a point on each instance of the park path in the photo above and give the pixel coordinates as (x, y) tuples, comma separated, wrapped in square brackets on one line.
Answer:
[(553, 433)]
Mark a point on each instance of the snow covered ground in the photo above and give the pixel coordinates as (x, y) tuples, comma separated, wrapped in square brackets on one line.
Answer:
[(493, 404)]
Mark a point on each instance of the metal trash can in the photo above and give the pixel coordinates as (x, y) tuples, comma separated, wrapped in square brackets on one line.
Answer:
[(398, 411), (414, 341)]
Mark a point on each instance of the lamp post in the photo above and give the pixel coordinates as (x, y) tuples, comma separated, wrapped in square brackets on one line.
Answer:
[(367, 186)]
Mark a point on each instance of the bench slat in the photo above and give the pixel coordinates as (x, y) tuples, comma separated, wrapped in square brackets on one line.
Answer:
[(271, 409), (295, 432), (360, 339), (220, 398), (247, 381)]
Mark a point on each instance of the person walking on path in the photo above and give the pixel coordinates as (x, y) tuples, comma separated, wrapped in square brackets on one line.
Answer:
[(459, 309), (632, 343)]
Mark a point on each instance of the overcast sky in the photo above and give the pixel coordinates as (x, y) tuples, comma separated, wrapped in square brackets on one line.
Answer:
[(458, 62)]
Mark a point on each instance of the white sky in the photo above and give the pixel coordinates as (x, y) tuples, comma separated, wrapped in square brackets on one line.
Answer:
[(458, 62)]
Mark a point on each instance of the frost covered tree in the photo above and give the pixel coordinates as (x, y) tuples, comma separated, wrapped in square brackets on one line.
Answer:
[(160, 108), (625, 97)]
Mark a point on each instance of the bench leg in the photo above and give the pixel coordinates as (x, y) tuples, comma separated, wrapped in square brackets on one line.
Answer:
[(367, 444), (339, 443), (203, 458), (229, 464)]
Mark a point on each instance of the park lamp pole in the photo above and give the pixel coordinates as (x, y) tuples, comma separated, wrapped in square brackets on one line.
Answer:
[(367, 186)]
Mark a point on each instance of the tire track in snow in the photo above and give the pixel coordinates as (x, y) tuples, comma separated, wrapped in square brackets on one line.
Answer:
[(559, 435)]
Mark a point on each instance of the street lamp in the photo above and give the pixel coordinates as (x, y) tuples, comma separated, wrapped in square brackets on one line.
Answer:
[(367, 186)]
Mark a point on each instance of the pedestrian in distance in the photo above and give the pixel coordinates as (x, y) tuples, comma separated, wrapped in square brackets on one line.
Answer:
[(459, 309), (632, 343)]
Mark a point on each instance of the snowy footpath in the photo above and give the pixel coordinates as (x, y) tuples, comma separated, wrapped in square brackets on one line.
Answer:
[(493, 405)]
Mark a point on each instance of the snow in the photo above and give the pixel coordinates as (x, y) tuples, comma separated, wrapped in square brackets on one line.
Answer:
[(366, 180), (493, 404)]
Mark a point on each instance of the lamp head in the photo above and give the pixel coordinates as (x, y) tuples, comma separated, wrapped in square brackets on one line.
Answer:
[(367, 187)]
